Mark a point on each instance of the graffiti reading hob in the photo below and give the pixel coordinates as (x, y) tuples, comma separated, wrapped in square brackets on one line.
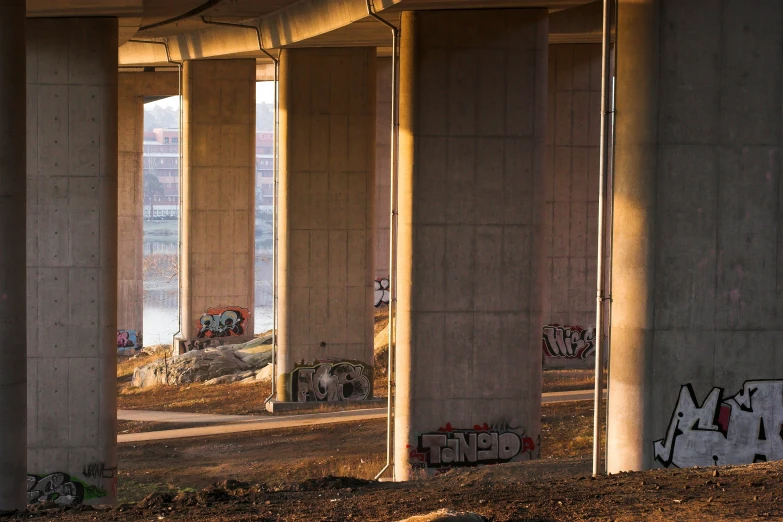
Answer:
[(127, 339), (381, 292), (483, 444), (61, 489), (744, 428), (572, 342), (330, 381), (223, 322)]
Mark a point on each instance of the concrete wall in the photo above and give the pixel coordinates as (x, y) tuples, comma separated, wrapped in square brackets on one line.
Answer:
[(698, 293), (327, 219), (218, 208), (130, 236), (471, 239), (13, 311), (383, 101), (572, 155), (72, 255)]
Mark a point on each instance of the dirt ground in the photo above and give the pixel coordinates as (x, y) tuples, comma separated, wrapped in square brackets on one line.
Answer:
[(288, 475)]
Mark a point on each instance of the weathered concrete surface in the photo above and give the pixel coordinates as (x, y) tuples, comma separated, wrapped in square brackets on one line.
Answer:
[(383, 99), (130, 187), (698, 293), (471, 280), (327, 215), (72, 251), (571, 191), (13, 295), (218, 187)]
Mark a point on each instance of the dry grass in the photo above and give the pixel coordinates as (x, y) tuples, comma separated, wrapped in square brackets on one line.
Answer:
[(566, 380)]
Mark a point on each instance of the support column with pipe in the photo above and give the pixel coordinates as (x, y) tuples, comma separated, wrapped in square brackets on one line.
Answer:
[(327, 179), (471, 229)]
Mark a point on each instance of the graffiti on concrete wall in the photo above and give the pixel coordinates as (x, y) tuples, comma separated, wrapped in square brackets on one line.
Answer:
[(61, 489), (571, 342), (483, 444), (381, 292), (223, 322), (744, 428), (188, 345), (127, 339), (331, 381)]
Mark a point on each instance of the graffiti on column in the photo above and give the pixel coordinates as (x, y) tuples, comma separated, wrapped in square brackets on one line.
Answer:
[(484, 444), (223, 322), (744, 428), (331, 381), (127, 339), (61, 489), (571, 342), (381, 292)]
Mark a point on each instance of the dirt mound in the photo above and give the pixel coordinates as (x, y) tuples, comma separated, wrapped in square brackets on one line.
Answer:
[(331, 482)]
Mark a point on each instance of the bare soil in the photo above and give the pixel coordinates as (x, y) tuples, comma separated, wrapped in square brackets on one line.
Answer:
[(289, 475)]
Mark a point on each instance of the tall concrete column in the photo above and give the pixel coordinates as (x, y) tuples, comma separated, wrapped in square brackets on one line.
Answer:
[(13, 312), (471, 228), (133, 87), (72, 259), (383, 108), (130, 270), (696, 370), (327, 181), (218, 207)]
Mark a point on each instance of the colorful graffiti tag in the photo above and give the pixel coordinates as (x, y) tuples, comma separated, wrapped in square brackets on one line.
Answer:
[(744, 428), (331, 381), (381, 292), (572, 342), (484, 444), (223, 322), (127, 339), (60, 489)]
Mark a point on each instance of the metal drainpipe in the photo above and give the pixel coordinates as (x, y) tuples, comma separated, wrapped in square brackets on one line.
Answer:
[(165, 44), (275, 161), (392, 228), (603, 298)]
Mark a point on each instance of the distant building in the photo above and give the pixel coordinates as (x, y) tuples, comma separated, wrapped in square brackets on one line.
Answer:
[(161, 159)]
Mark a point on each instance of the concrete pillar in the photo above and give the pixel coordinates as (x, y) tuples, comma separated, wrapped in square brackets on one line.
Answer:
[(470, 286), (696, 371), (130, 224), (327, 219), (72, 259), (133, 87), (13, 345), (382, 162), (572, 154), (218, 208)]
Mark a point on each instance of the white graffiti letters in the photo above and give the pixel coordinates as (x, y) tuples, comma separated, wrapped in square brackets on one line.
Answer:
[(57, 488), (343, 381), (742, 429), (573, 342), (381, 292), (481, 445)]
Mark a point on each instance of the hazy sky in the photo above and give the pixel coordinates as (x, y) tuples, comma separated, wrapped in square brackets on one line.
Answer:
[(265, 92)]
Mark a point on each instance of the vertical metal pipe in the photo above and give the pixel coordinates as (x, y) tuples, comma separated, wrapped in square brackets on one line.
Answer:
[(601, 297), (392, 227)]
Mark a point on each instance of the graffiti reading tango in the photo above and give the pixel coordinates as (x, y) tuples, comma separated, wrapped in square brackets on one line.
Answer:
[(450, 447), (572, 342), (223, 322), (331, 381), (127, 339), (742, 429), (60, 489), (381, 292)]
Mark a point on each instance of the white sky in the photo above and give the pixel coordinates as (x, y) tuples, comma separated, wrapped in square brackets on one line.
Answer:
[(265, 92)]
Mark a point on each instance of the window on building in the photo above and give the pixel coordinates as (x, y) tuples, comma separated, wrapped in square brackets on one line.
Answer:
[(165, 140)]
